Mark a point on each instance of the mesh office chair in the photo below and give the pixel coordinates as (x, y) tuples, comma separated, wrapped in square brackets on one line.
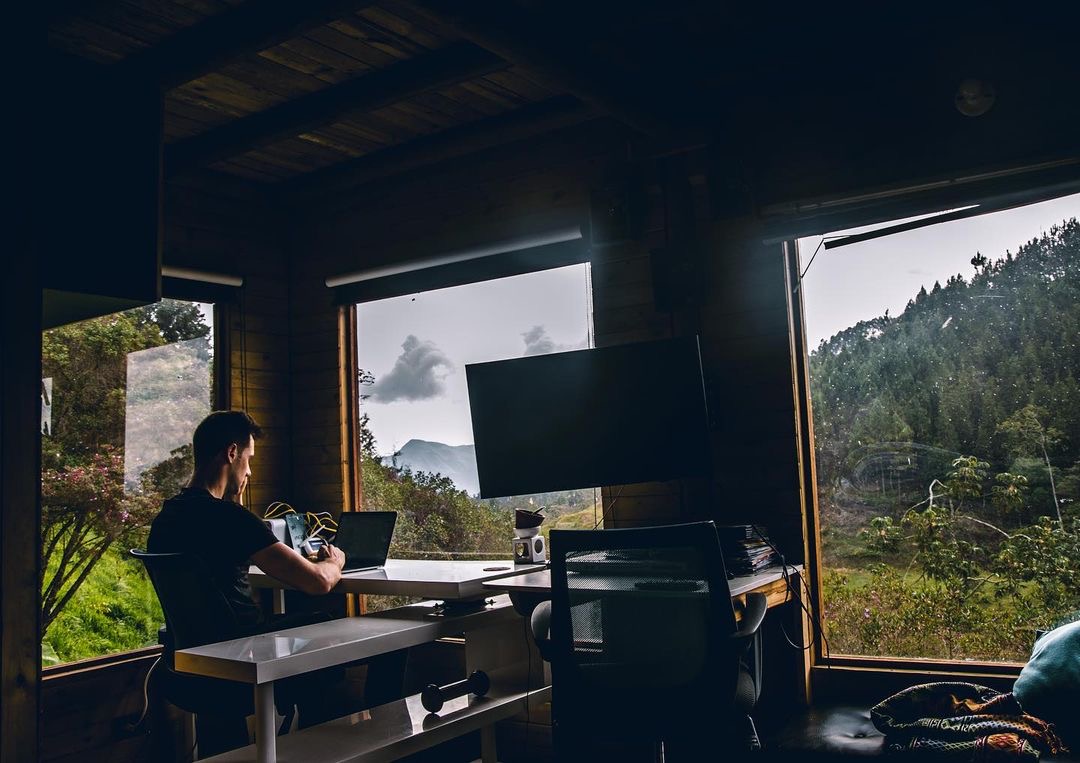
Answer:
[(195, 614), (644, 643)]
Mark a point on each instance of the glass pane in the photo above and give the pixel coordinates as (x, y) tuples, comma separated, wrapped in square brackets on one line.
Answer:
[(416, 431), (121, 396), (945, 386)]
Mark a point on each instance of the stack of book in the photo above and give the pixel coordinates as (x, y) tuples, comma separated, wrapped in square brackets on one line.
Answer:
[(746, 551)]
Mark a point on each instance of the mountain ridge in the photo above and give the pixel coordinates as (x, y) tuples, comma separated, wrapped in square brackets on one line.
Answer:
[(458, 462)]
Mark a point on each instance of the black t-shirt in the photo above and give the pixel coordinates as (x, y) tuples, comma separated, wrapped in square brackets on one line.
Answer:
[(223, 534)]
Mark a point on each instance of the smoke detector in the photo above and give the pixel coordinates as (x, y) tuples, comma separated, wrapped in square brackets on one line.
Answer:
[(974, 97)]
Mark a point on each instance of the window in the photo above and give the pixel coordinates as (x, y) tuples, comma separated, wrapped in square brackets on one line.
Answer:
[(417, 455), (944, 368), (121, 396)]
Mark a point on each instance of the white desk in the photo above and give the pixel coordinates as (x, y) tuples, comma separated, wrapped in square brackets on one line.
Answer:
[(423, 578), (528, 590), (539, 581), (495, 642)]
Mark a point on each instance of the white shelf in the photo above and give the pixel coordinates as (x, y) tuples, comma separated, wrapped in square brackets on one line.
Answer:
[(391, 731)]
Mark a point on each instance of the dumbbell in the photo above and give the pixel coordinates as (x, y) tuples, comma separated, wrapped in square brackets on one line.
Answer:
[(434, 697)]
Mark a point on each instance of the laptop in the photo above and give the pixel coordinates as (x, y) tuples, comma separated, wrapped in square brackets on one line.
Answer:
[(364, 537)]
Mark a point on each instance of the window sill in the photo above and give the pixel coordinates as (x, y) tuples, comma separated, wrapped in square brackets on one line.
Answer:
[(872, 680), (146, 654)]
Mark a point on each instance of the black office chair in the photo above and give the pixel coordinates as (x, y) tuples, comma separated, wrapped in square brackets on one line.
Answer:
[(195, 614), (644, 645)]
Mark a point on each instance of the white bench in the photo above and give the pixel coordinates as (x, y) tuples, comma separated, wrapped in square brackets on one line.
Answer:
[(496, 642)]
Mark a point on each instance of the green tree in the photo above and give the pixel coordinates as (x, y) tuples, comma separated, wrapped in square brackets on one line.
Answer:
[(86, 505), (1026, 433)]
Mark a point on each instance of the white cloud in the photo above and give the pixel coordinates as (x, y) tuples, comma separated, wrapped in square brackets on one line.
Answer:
[(419, 373), (537, 342)]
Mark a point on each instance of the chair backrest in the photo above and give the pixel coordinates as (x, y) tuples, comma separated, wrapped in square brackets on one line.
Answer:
[(641, 617), (196, 612)]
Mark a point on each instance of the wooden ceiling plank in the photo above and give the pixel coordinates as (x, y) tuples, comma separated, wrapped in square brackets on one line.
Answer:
[(251, 169), (364, 132), (239, 31), (298, 62), (335, 38), (499, 27), (530, 120), (347, 141), (406, 120), (208, 118), (476, 102), (339, 63), (279, 160), (367, 93), (403, 21), (503, 88), (484, 90), (341, 150), (272, 77), (458, 111), (382, 32), (511, 79), (242, 97), (434, 120), (311, 153)]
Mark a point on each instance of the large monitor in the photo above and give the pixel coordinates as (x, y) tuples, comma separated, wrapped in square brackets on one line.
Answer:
[(589, 418)]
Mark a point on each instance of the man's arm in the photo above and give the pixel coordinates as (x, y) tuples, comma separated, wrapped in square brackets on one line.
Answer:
[(279, 561)]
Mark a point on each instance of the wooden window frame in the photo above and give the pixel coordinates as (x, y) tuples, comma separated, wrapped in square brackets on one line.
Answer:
[(832, 675), (222, 397)]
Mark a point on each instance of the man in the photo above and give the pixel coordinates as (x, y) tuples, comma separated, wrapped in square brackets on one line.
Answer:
[(207, 521)]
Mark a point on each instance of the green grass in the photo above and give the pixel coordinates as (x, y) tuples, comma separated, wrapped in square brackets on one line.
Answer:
[(115, 610)]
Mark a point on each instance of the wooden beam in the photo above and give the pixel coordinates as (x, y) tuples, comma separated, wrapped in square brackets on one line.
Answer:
[(457, 63), (525, 122), (543, 49), (20, 470), (209, 45)]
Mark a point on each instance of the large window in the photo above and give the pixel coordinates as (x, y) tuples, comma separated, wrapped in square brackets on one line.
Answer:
[(416, 435), (120, 398), (945, 385)]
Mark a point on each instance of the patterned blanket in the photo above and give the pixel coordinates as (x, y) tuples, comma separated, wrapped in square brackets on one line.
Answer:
[(963, 722)]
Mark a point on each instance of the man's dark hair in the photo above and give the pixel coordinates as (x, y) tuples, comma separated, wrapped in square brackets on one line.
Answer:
[(219, 430)]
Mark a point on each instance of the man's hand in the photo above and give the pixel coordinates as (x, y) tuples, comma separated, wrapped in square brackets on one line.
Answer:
[(329, 553), (315, 578)]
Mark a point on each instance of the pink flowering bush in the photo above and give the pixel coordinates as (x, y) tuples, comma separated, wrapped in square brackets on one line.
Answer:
[(84, 510)]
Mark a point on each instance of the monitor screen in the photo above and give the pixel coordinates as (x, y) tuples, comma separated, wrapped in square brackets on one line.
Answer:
[(589, 418)]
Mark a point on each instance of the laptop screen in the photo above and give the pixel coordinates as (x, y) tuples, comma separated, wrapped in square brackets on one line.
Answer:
[(364, 537)]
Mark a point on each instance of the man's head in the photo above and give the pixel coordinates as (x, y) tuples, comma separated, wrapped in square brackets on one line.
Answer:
[(225, 440)]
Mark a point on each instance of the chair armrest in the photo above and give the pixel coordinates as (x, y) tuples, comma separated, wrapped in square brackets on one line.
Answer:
[(756, 605), (540, 624)]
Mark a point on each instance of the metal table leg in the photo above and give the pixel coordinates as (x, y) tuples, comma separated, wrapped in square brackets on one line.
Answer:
[(265, 724)]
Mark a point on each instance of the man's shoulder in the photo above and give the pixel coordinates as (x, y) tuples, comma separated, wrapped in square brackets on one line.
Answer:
[(199, 499)]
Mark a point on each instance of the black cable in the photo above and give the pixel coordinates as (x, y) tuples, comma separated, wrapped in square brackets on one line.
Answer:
[(793, 592)]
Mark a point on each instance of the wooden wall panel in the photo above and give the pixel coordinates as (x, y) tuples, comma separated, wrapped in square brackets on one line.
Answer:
[(20, 481)]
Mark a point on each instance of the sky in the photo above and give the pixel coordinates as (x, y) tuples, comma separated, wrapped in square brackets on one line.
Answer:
[(417, 347), (860, 281)]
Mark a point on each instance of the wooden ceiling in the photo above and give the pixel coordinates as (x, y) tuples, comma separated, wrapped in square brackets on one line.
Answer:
[(324, 94), (277, 91)]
